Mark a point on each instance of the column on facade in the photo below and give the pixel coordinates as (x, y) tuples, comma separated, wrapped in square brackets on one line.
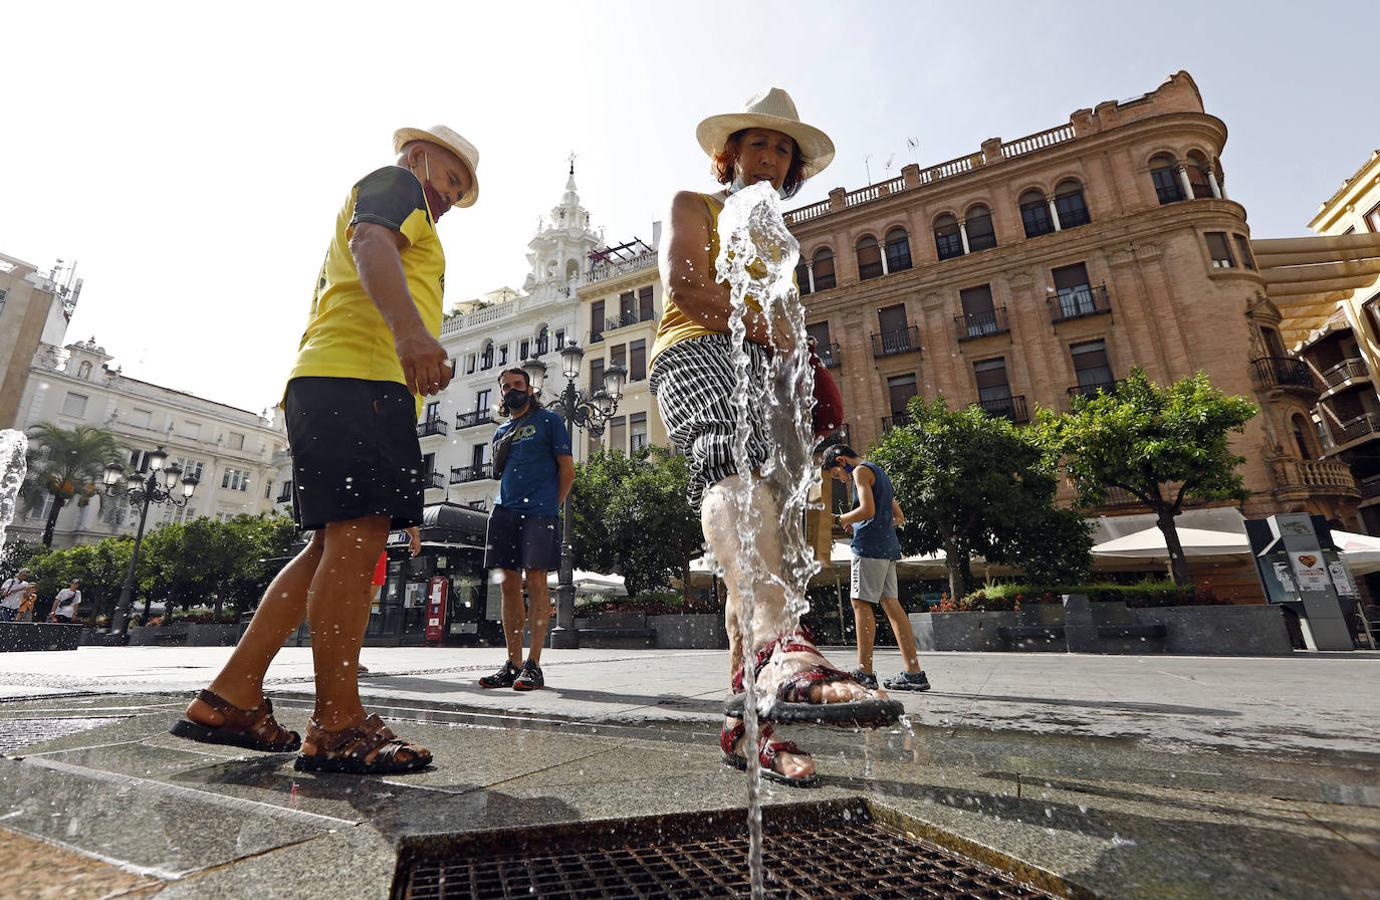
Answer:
[(1054, 215), (963, 236), (1185, 183), (1215, 186), (881, 247)]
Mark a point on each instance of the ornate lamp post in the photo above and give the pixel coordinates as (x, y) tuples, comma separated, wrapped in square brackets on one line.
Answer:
[(138, 490), (589, 413)]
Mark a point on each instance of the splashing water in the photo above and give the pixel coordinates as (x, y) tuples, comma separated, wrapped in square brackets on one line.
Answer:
[(772, 403), (13, 466)]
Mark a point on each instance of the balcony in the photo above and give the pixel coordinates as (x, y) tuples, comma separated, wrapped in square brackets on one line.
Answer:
[(471, 419), (595, 337), (972, 326), (432, 427), (1284, 373), (1093, 388), (892, 343), (1012, 408), (1079, 302), (434, 480), (1345, 373), (486, 362), (622, 321), (894, 421), (1316, 476), (1370, 487), (285, 495), (1355, 429), (829, 355), (466, 474)]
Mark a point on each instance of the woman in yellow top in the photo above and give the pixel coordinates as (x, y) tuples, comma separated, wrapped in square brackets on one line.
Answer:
[(692, 376)]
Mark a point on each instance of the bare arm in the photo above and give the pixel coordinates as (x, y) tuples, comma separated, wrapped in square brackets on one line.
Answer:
[(898, 518), (867, 507), (565, 476), (376, 251), (688, 272)]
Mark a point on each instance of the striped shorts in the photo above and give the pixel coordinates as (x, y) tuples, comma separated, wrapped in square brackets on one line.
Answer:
[(693, 383)]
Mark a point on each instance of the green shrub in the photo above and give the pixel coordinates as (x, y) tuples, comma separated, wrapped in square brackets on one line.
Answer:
[(1144, 594)]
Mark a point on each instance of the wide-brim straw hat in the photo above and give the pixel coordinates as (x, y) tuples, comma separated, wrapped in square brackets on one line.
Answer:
[(448, 138), (772, 109)]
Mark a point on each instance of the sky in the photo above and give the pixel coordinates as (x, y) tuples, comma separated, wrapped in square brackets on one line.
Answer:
[(192, 163)]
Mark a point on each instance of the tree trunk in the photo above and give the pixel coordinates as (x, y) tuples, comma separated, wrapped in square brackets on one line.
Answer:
[(960, 572), (216, 608), (1178, 563), (48, 527)]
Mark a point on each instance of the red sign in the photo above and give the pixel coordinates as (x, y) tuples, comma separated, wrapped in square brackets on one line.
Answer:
[(436, 594)]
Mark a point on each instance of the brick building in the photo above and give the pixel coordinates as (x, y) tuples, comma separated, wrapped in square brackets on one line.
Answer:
[(1039, 268)]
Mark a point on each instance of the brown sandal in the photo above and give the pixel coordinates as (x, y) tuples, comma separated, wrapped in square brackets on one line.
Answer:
[(253, 729), (369, 748)]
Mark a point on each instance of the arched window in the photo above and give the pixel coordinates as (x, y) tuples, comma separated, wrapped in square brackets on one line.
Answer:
[(824, 269), (947, 239), (1301, 437), (978, 224), (869, 258), (802, 276), (1069, 204), (572, 269), (543, 341), (897, 250), (1197, 167), (1035, 214), (1165, 175), (84, 370), (486, 355)]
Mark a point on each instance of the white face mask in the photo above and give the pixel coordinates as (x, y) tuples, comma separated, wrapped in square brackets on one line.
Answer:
[(738, 185)]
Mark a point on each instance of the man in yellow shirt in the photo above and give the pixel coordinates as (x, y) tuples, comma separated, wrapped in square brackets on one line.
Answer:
[(369, 352)]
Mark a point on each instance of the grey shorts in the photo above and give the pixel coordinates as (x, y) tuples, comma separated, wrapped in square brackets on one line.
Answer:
[(873, 579)]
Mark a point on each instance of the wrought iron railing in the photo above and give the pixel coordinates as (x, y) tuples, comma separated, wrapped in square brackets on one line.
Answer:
[(432, 426), (465, 474), (1347, 370), (890, 422), (471, 419), (1012, 408), (980, 324), (830, 355), (434, 480), (1093, 388), (1283, 372), (1075, 303), (902, 340)]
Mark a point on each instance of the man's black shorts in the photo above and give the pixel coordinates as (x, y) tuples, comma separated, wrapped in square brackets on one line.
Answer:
[(354, 451), (520, 541)]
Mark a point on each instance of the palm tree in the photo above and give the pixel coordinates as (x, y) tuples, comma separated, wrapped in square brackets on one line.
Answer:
[(66, 463)]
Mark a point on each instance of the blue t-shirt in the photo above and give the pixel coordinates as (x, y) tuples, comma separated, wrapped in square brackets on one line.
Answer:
[(529, 482), (875, 538)]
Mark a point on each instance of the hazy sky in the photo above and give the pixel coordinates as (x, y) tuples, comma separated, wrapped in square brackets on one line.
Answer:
[(192, 163)]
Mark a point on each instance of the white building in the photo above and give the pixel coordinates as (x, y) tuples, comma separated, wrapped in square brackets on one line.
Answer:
[(230, 450), (499, 332)]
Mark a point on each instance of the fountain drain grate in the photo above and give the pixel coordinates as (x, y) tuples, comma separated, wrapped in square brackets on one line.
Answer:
[(830, 855)]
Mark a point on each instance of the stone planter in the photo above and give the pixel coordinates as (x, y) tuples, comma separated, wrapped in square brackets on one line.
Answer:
[(17, 637), (701, 631), (213, 634), (159, 636)]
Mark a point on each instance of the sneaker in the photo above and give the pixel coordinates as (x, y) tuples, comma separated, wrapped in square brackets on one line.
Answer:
[(503, 678), (530, 679), (866, 679), (908, 681)]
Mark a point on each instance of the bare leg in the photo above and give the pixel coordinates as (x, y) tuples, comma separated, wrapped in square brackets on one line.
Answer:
[(905, 636), (514, 613), (280, 612), (338, 610), (539, 616), (867, 632)]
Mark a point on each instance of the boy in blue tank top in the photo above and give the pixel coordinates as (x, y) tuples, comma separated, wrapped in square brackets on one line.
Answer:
[(873, 522)]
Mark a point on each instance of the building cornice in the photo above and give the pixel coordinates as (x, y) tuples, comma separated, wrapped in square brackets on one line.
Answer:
[(1343, 202)]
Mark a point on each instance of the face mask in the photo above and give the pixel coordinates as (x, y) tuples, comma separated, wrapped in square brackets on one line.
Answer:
[(515, 400), (738, 185), (434, 200)]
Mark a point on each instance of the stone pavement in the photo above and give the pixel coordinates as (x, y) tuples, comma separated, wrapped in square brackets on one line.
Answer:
[(1115, 776)]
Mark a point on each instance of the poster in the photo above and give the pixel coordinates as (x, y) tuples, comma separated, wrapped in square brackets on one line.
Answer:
[(1341, 579), (1309, 570)]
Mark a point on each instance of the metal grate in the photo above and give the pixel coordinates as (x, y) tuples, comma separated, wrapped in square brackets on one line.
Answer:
[(16, 733), (703, 856)]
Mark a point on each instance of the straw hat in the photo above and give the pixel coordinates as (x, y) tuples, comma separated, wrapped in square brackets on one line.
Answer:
[(772, 109), (442, 136)]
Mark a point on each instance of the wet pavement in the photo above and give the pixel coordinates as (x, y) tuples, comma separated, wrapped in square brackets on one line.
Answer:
[(1107, 776)]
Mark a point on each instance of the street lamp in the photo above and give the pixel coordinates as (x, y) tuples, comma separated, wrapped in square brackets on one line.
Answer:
[(589, 412), (139, 490)]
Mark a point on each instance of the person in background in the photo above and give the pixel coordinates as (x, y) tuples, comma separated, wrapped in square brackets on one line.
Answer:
[(67, 603)]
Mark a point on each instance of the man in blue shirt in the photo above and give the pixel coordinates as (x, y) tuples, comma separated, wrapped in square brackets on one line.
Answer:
[(532, 452), (873, 522)]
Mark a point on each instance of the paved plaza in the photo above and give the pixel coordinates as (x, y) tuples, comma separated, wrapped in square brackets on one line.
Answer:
[(1115, 776)]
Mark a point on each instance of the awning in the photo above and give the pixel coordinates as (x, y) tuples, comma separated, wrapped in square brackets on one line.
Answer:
[(1149, 544), (592, 583)]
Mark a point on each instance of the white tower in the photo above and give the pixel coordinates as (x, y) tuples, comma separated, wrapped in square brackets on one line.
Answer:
[(559, 253)]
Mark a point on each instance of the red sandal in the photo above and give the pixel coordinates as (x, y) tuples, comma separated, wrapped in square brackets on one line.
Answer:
[(253, 729), (767, 751), (792, 704)]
